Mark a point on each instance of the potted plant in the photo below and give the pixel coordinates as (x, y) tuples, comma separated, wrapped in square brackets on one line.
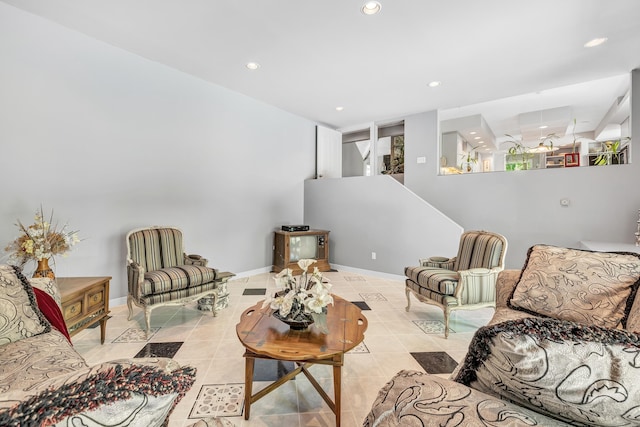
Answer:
[(609, 150), (519, 149), (468, 160), (573, 158)]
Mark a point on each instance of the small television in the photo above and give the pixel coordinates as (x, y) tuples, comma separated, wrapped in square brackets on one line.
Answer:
[(289, 247)]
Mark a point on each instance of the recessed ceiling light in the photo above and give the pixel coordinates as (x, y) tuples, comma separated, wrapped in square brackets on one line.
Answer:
[(595, 42), (473, 132), (476, 137), (480, 142), (371, 8), (339, 108), (434, 84), (543, 127), (253, 65)]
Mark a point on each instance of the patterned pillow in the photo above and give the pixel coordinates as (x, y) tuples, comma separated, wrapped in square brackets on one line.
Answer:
[(114, 394), (586, 375), (19, 314), (594, 288), (49, 286)]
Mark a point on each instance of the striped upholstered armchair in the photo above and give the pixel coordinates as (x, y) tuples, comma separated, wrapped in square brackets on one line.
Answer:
[(465, 282), (159, 272)]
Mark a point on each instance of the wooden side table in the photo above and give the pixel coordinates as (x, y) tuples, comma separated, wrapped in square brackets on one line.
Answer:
[(265, 337), (85, 301)]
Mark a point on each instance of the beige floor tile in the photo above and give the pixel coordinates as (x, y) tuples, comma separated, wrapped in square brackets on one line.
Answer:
[(212, 347)]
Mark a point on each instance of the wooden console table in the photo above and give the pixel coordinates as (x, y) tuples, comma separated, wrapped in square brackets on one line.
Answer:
[(85, 301)]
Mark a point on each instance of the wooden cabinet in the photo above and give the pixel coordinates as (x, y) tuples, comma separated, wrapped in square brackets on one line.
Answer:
[(291, 246), (85, 301)]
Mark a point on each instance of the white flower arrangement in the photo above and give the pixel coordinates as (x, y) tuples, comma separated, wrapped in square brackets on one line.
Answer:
[(306, 297)]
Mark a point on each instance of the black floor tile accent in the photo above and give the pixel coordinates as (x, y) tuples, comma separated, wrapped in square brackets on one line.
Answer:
[(255, 291), (159, 349), (271, 370), (361, 305), (435, 362)]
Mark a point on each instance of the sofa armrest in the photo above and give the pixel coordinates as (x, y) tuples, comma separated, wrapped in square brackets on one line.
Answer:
[(505, 284), (135, 277), (413, 398), (194, 259), (438, 262), (483, 278)]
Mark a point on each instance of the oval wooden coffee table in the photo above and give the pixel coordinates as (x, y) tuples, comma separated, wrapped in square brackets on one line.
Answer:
[(265, 337)]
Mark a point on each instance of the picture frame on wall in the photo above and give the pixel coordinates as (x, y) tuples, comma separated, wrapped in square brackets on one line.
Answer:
[(571, 160)]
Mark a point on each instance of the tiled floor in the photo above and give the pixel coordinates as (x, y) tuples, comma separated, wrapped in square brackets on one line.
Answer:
[(394, 340)]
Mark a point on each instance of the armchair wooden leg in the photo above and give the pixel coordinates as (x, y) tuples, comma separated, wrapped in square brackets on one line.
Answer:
[(407, 292), (130, 305), (214, 305), (446, 322), (147, 320)]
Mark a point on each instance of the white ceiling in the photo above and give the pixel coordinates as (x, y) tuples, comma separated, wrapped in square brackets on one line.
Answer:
[(317, 55)]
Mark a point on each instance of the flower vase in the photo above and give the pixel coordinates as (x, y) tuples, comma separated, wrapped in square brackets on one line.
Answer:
[(43, 269), (297, 319)]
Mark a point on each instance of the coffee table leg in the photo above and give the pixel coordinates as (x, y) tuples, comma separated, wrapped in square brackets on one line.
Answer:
[(337, 381), (248, 383)]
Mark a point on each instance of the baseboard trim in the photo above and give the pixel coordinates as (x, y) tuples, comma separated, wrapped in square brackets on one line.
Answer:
[(364, 272)]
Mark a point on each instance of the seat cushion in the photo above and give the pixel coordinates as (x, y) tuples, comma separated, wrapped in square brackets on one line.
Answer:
[(435, 279), (176, 278), (443, 300)]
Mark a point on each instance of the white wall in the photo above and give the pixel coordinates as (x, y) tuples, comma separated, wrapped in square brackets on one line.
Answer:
[(112, 141), (524, 206), (377, 214)]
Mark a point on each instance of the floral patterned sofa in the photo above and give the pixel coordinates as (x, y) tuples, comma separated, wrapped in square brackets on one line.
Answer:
[(44, 381), (560, 350)]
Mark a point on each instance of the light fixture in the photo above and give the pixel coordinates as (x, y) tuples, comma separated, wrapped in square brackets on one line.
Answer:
[(541, 148), (434, 84), (371, 8), (473, 132), (595, 42), (543, 127), (477, 137), (339, 108), (253, 65)]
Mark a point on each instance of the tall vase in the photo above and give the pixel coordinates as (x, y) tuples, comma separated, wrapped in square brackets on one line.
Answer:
[(43, 269)]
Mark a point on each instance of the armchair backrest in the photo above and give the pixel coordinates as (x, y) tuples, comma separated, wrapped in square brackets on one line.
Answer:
[(480, 249), (156, 247)]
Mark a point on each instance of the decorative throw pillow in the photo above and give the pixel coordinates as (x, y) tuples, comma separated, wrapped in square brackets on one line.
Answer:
[(49, 286), (586, 375), (118, 395), (20, 317), (594, 288)]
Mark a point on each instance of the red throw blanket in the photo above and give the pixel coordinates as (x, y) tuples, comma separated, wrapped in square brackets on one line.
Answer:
[(51, 311)]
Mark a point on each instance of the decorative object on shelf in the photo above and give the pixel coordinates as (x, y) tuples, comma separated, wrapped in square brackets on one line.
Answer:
[(302, 302), (571, 159), (638, 230), (40, 242)]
